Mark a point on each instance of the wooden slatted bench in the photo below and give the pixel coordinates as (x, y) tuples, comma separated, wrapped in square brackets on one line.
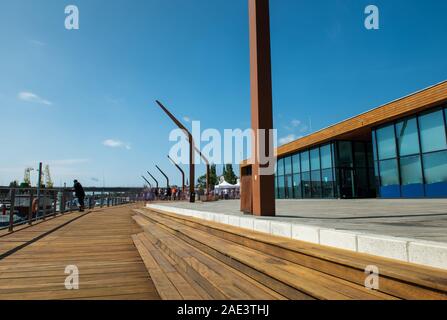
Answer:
[(282, 275), (322, 264), (165, 255)]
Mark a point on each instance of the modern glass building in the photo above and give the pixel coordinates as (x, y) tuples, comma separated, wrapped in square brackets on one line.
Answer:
[(398, 150), (340, 169), (410, 156)]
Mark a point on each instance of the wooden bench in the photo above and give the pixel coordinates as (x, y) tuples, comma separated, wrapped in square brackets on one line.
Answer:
[(210, 278), (321, 272)]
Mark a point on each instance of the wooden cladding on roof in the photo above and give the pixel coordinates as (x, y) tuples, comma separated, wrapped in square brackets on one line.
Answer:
[(411, 104)]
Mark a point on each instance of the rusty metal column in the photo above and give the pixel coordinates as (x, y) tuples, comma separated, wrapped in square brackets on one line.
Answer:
[(261, 103)]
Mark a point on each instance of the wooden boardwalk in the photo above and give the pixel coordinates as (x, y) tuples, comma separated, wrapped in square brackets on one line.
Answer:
[(128, 252), (33, 259)]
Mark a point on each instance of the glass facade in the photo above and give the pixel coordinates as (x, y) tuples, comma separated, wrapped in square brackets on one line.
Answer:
[(406, 158), (310, 174), (318, 172), (410, 156)]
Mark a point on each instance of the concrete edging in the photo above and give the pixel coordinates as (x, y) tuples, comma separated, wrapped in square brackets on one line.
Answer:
[(432, 254)]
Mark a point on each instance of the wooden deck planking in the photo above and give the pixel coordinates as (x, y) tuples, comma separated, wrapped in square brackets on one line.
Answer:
[(99, 243), (242, 248)]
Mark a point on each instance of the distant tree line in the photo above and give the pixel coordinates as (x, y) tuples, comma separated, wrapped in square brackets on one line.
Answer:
[(227, 173)]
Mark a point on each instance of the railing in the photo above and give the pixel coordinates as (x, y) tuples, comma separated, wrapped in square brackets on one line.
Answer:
[(19, 206)]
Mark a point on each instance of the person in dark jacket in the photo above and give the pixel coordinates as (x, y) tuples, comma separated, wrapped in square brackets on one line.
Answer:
[(80, 194)]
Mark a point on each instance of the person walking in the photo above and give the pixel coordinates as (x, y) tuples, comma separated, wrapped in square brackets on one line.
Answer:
[(80, 194)]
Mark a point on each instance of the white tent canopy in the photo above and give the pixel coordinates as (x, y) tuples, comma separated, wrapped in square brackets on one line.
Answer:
[(225, 185)]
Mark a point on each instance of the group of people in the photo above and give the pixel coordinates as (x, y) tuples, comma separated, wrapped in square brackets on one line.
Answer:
[(228, 194), (164, 194)]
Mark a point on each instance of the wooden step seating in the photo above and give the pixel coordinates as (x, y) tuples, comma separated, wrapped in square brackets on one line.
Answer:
[(286, 278), (296, 269), (182, 272)]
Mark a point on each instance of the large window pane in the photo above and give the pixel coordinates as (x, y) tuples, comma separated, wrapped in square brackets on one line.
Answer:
[(369, 154), (316, 184), (326, 157), (297, 186), (374, 145), (360, 154), (345, 154), (288, 165), (306, 184), (389, 175), (315, 159), (281, 189), (411, 170), (327, 183), (361, 182), (288, 187), (435, 167), (305, 164), (386, 143), (432, 131), (376, 174), (407, 137), (280, 167), (276, 188), (296, 164)]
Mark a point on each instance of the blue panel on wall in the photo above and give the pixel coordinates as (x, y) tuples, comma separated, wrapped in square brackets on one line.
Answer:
[(390, 191), (436, 190), (413, 191)]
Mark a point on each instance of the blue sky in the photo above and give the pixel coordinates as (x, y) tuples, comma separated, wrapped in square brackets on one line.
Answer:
[(83, 101)]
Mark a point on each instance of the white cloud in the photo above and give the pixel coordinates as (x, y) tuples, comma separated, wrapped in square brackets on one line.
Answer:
[(187, 119), (292, 125), (33, 98), (111, 143), (37, 43), (287, 139), (295, 123)]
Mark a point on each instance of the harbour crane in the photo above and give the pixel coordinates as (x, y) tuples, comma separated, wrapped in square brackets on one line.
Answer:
[(27, 176), (48, 181)]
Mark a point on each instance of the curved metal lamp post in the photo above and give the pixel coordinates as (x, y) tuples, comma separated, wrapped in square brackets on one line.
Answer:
[(207, 169), (192, 193), (156, 182), (167, 178), (181, 171), (150, 185)]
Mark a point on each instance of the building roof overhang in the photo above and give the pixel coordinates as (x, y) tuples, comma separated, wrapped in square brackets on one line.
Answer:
[(361, 125)]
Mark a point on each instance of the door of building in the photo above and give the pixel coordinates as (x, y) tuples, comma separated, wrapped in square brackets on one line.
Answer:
[(246, 194), (347, 183)]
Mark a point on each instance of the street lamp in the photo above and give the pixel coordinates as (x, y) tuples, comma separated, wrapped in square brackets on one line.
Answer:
[(150, 185), (156, 182), (167, 179), (192, 194), (181, 171)]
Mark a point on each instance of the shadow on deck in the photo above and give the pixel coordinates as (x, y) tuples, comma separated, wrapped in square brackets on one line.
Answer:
[(99, 243)]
